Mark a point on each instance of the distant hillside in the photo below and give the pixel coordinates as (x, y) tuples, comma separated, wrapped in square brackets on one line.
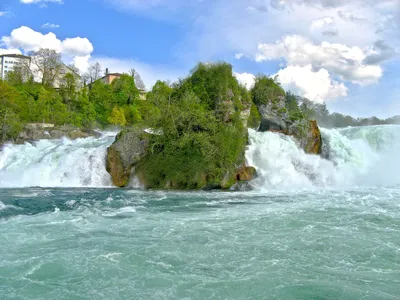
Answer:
[(326, 119)]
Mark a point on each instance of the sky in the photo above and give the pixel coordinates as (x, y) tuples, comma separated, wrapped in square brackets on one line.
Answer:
[(341, 52)]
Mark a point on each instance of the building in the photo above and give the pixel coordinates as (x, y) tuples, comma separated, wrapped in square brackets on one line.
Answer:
[(64, 70), (9, 61), (108, 78)]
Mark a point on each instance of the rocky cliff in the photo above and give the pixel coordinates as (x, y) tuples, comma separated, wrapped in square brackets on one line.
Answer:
[(275, 117), (125, 153)]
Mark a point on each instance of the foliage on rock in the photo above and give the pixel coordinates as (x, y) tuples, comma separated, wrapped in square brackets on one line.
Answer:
[(201, 139)]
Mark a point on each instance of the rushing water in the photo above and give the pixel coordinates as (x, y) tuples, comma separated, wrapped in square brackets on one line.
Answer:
[(311, 229)]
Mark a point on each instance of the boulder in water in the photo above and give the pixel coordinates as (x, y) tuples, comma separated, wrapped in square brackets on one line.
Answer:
[(246, 173), (124, 154)]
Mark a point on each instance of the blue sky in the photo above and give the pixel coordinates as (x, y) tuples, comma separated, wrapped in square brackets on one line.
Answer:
[(344, 53)]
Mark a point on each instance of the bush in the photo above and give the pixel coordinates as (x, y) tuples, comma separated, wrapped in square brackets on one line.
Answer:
[(266, 90), (254, 118)]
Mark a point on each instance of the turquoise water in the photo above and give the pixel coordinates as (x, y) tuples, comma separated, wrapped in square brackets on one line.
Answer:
[(125, 244)]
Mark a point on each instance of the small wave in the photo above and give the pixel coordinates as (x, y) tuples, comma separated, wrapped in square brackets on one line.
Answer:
[(4, 207), (70, 203), (124, 212)]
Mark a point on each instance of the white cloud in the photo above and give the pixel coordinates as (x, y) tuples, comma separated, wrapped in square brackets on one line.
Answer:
[(77, 46), (29, 40), (50, 25), (320, 23), (316, 86), (76, 50), (81, 62), (239, 55), (245, 79), (345, 62), (347, 16), (325, 26)]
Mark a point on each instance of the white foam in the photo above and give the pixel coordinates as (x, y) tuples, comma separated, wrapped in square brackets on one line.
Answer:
[(357, 156), (56, 163)]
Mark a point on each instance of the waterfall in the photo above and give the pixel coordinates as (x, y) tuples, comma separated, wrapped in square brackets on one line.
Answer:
[(361, 156), (56, 163), (357, 156)]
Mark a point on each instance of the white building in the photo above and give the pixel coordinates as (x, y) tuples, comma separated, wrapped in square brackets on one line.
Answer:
[(9, 61)]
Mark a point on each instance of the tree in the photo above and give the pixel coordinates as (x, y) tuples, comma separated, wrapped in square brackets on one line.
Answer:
[(138, 79), (100, 95), (124, 90), (68, 87), (21, 73), (47, 64), (73, 68), (266, 90), (160, 93), (117, 116), (94, 73)]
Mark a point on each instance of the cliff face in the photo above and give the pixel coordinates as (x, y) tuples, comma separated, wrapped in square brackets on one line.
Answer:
[(274, 117), (124, 154)]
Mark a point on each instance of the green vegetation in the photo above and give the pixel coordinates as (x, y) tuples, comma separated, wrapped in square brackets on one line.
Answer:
[(200, 137), (73, 102), (266, 90), (254, 118)]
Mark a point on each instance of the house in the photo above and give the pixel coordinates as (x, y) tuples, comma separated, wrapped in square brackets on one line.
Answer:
[(62, 72), (9, 61), (108, 78)]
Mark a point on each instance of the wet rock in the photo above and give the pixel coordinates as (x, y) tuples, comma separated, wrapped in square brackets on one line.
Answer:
[(273, 115), (246, 173), (308, 135), (124, 154), (39, 131)]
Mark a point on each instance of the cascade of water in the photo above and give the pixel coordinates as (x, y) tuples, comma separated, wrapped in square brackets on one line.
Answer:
[(56, 163), (357, 156), (361, 156)]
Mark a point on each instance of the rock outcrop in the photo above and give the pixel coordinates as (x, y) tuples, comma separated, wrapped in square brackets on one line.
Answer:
[(308, 135), (39, 131), (125, 153), (274, 117), (246, 173)]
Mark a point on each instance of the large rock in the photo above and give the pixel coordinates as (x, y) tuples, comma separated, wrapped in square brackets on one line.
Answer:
[(246, 173), (39, 131), (273, 115), (308, 136), (124, 154)]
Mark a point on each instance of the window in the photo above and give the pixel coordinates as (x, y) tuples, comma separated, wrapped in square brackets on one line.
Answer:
[(62, 71)]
